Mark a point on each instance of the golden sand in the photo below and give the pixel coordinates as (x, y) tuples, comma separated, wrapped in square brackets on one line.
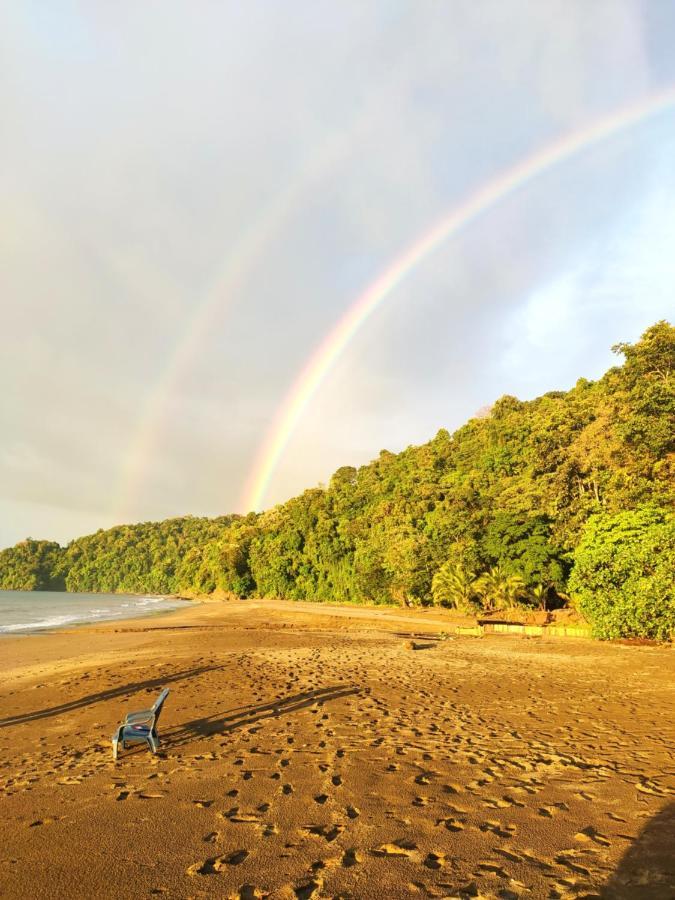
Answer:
[(312, 751)]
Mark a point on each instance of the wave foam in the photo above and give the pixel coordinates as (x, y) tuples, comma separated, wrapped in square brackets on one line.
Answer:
[(51, 622)]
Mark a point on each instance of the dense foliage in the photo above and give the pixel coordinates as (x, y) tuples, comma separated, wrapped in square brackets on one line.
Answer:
[(149, 557), (624, 573), (493, 516), (31, 566)]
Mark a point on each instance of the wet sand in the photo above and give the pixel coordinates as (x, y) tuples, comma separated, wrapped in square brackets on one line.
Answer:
[(309, 751)]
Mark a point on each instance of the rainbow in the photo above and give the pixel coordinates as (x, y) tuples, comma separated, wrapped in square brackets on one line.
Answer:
[(331, 348), (228, 280), (231, 276)]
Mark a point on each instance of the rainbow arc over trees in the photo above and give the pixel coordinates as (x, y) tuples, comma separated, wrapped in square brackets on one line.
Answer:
[(488, 195)]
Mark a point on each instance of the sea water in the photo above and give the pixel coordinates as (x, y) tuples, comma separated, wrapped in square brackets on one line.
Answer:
[(25, 612)]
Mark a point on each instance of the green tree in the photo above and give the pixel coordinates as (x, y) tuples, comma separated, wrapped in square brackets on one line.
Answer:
[(539, 595), (648, 417), (31, 566), (522, 545), (456, 586), (623, 580), (498, 589)]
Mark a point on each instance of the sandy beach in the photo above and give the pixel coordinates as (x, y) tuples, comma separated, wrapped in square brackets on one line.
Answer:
[(313, 751)]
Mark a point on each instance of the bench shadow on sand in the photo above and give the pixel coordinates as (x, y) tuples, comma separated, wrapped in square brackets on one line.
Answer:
[(647, 869), (249, 715), (121, 691)]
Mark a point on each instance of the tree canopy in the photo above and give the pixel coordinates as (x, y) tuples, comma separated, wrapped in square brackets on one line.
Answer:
[(624, 573)]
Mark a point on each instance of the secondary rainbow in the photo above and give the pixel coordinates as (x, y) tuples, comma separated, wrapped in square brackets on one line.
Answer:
[(241, 258), (331, 348), (240, 261)]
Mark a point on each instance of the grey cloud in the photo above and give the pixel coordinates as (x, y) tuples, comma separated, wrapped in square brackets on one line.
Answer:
[(263, 163)]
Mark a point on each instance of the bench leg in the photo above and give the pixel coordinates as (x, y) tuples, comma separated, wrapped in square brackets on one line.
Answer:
[(115, 742)]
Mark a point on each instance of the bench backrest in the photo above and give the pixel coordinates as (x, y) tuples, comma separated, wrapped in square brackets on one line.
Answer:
[(158, 704)]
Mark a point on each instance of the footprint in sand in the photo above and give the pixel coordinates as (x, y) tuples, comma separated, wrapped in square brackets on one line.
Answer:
[(397, 848), (501, 802), (247, 892), (451, 824), (309, 889), (511, 801), (493, 869), (241, 818), (615, 818), (498, 828), (321, 799), (321, 864), (216, 864), (549, 811), (328, 832), (203, 804), (647, 786), (434, 860), (452, 788), (567, 858), (591, 834), (351, 858), (509, 854)]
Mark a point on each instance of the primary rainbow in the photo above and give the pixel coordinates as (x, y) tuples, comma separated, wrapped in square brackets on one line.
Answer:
[(324, 357)]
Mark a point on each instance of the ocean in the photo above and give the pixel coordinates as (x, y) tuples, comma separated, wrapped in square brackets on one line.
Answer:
[(26, 612)]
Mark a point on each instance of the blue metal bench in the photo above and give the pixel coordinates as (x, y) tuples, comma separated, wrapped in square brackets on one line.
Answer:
[(140, 726)]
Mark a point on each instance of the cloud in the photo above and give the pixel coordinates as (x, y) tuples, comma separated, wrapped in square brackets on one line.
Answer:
[(621, 285), (144, 147)]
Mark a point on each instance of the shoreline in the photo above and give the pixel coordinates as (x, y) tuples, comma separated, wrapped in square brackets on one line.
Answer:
[(83, 618), (448, 622)]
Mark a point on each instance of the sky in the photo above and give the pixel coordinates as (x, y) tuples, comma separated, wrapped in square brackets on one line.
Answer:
[(193, 196)]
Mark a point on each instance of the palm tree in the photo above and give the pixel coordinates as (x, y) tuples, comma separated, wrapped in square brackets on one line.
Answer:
[(540, 595), (500, 590), (455, 586)]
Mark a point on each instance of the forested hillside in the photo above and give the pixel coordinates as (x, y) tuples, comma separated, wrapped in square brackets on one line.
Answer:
[(32, 566), (525, 505)]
